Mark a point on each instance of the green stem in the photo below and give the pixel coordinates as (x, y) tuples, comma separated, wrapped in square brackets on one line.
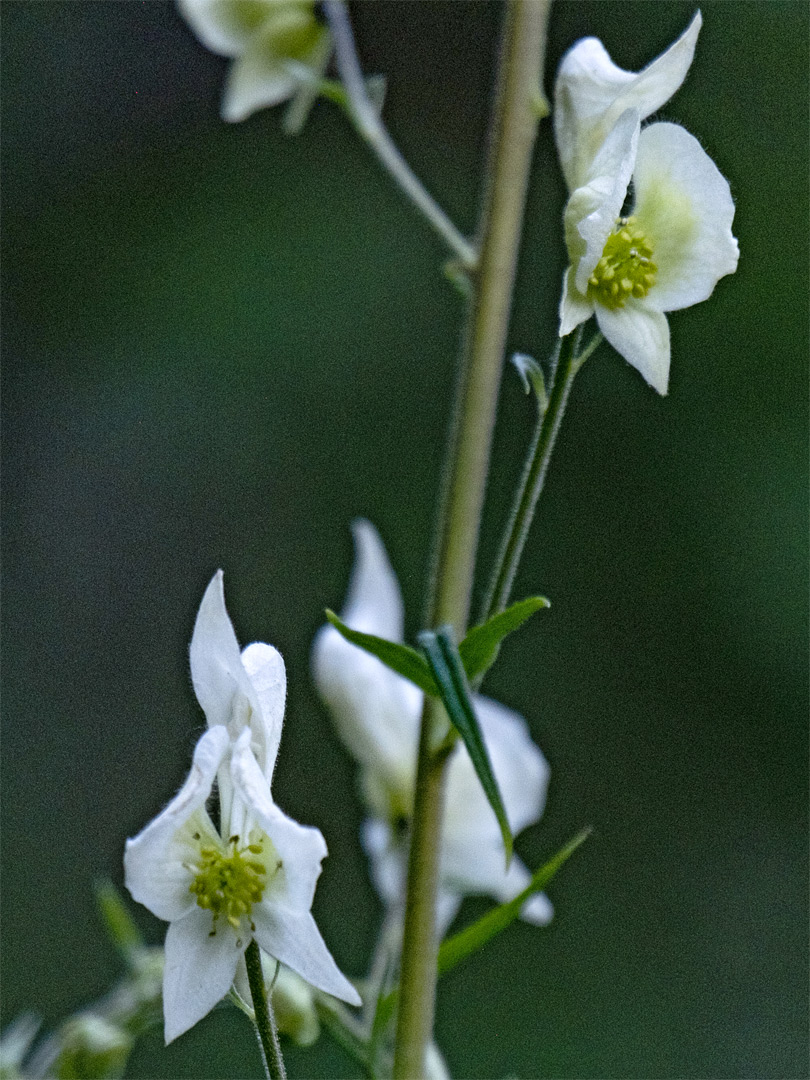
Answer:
[(366, 119), (264, 1020), (514, 129), (534, 473)]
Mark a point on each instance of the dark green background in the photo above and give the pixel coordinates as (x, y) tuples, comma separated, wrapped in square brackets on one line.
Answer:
[(221, 345)]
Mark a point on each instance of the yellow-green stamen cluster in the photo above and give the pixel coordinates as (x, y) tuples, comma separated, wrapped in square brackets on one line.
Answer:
[(228, 881), (625, 269)]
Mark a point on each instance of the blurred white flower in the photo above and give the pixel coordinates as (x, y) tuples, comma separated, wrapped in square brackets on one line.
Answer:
[(293, 999), (377, 715), (591, 93), (254, 876), (666, 255), (278, 47)]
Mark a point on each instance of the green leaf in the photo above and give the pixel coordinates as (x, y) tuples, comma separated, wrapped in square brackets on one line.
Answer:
[(117, 920), (448, 672), (402, 659), (479, 648), (474, 937)]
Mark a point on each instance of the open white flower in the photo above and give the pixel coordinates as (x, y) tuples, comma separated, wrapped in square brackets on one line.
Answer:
[(218, 889), (668, 254), (591, 93), (254, 876), (377, 714), (275, 44)]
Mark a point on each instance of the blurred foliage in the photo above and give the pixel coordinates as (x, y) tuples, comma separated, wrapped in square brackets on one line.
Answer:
[(222, 344)]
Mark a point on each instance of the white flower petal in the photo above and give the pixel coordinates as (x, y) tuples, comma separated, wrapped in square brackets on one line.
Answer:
[(294, 939), (481, 869), (574, 307), (519, 766), (520, 769), (226, 26), (266, 71), (435, 1065), (300, 847), (265, 668), (374, 599), (684, 207), (199, 969), (153, 860), (641, 335), (591, 92), (375, 711), (217, 671), (224, 686), (387, 860), (593, 209)]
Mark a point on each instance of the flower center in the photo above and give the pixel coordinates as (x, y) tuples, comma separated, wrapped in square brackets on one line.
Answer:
[(228, 881), (626, 267)]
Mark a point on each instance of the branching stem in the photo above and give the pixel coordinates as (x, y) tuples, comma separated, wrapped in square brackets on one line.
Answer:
[(370, 127), (534, 473)]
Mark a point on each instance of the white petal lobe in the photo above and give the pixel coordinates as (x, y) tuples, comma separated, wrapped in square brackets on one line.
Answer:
[(684, 206), (641, 335), (199, 969)]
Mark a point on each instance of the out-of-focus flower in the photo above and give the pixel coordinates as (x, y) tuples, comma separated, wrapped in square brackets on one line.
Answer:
[(255, 875), (278, 48), (591, 93), (668, 254), (377, 713), (15, 1042), (293, 1000)]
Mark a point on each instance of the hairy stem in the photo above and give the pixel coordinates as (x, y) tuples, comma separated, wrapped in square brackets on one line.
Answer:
[(534, 472), (370, 127), (514, 129), (264, 1020)]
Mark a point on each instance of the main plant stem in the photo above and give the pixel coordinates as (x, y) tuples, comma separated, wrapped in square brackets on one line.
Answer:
[(514, 129)]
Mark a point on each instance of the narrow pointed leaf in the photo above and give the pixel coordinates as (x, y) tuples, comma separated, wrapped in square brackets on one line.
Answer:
[(402, 659), (479, 648), (461, 945), (448, 672)]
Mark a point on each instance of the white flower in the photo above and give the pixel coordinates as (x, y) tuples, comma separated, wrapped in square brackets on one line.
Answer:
[(254, 876), (277, 46), (591, 93), (667, 254), (377, 714)]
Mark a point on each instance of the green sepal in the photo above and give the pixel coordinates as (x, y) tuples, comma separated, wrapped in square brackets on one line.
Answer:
[(532, 377), (448, 672), (480, 647), (461, 945), (402, 659), (117, 920)]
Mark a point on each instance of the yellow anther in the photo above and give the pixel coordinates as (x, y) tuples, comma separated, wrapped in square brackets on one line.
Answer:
[(625, 267), (229, 884)]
